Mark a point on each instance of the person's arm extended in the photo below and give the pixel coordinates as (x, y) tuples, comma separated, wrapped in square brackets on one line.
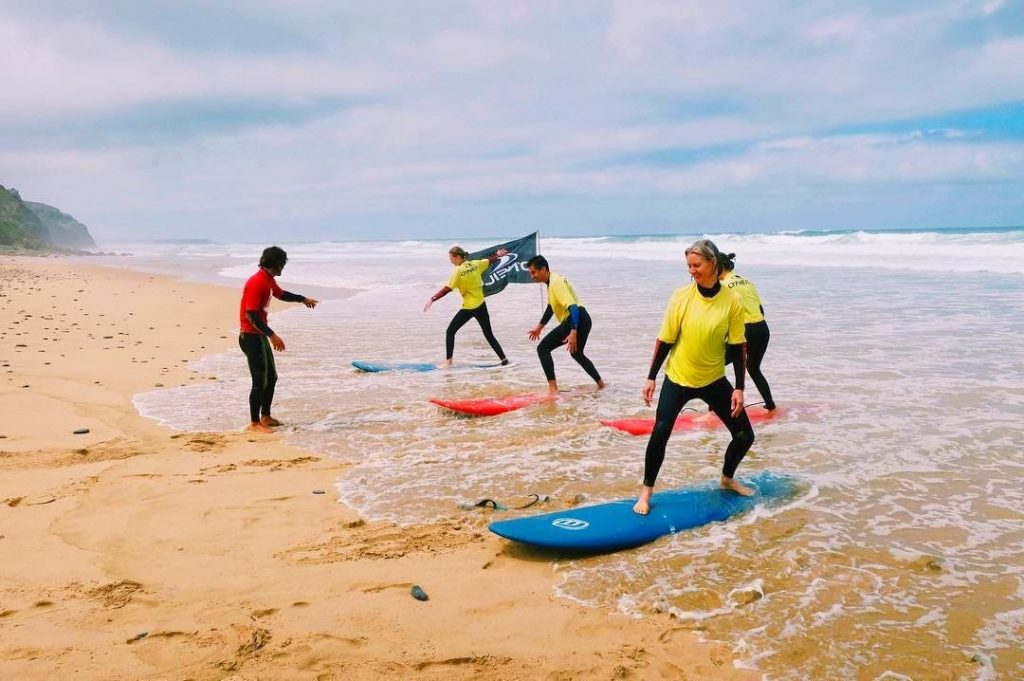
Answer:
[(740, 364), (493, 257), (534, 333), (546, 317), (445, 290), (661, 350), (289, 297), (254, 318)]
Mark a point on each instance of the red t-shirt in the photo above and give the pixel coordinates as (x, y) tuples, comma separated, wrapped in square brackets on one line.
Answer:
[(256, 296)]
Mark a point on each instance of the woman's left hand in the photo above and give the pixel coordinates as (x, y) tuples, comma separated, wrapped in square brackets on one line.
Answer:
[(570, 342), (737, 402)]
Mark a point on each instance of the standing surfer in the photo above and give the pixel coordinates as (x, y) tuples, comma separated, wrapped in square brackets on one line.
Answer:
[(574, 322), (467, 278), (701, 321)]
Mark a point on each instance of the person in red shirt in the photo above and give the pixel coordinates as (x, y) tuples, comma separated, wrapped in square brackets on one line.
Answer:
[(256, 337)]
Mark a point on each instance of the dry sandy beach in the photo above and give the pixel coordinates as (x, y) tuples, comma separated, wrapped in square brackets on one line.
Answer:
[(134, 551)]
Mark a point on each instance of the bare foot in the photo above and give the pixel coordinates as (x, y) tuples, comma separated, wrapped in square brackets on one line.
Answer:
[(258, 427), (270, 421), (447, 364), (735, 485), (643, 502), (600, 385)]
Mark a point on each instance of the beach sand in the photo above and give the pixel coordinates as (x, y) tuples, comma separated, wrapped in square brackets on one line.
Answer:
[(134, 551)]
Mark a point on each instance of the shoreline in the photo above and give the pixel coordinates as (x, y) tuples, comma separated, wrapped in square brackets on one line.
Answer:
[(137, 551)]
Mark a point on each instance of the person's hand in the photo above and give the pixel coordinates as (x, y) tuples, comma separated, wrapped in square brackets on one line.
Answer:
[(534, 333), (571, 342), (501, 252), (430, 301), (648, 392), (310, 302), (737, 402), (277, 342)]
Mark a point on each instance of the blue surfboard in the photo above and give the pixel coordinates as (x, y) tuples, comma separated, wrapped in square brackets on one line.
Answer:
[(376, 367), (612, 526)]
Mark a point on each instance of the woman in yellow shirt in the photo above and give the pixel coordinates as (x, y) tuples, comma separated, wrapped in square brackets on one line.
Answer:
[(702, 319), (755, 326), (467, 278)]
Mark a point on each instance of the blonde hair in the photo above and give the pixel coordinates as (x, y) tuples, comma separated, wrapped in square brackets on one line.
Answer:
[(706, 249)]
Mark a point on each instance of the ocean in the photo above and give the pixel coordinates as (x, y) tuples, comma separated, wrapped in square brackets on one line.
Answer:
[(898, 355)]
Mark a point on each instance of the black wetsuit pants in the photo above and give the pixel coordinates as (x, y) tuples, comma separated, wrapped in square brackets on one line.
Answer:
[(757, 344), (460, 319), (557, 336), (260, 357), (674, 397)]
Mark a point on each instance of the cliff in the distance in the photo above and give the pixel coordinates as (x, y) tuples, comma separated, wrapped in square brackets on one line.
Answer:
[(64, 230), (36, 226)]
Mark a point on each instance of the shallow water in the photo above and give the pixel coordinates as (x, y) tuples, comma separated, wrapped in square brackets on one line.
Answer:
[(903, 558)]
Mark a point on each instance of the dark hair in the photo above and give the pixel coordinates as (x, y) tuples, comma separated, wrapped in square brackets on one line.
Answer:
[(538, 262), (458, 251), (726, 261), (273, 258)]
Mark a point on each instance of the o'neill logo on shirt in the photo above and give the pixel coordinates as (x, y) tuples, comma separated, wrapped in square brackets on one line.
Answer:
[(504, 266), (570, 524)]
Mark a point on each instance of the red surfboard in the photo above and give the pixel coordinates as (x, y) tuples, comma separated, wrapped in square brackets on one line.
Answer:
[(691, 421), (492, 406)]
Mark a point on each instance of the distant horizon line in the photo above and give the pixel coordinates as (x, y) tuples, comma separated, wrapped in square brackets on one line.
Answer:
[(793, 232)]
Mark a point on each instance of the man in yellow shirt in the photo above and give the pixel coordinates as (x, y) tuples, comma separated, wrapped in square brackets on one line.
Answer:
[(574, 322), (701, 321), (467, 279)]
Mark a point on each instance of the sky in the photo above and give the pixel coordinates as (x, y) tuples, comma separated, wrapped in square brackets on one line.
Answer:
[(307, 120)]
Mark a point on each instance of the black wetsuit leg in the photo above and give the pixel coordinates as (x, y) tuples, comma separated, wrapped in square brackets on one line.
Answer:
[(552, 340), (582, 334), (557, 337), (262, 370), (757, 344), (718, 397), (484, 319), (458, 321), (671, 401)]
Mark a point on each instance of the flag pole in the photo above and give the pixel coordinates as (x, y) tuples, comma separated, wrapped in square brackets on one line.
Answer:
[(543, 293)]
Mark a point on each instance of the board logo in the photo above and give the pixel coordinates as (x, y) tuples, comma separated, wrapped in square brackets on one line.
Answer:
[(570, 523)]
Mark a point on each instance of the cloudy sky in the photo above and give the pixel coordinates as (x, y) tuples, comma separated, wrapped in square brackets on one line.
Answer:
[(320, 119)]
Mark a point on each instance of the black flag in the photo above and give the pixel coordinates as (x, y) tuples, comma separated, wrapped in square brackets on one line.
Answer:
[(509, 268)]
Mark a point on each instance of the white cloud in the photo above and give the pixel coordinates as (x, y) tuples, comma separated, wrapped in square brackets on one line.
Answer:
[(450, 109)]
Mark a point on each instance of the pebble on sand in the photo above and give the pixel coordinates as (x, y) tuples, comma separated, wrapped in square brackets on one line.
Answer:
[(418, 593), (81, 431)]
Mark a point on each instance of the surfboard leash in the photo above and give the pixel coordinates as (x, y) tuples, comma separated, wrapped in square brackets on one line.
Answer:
[(491, 503)]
